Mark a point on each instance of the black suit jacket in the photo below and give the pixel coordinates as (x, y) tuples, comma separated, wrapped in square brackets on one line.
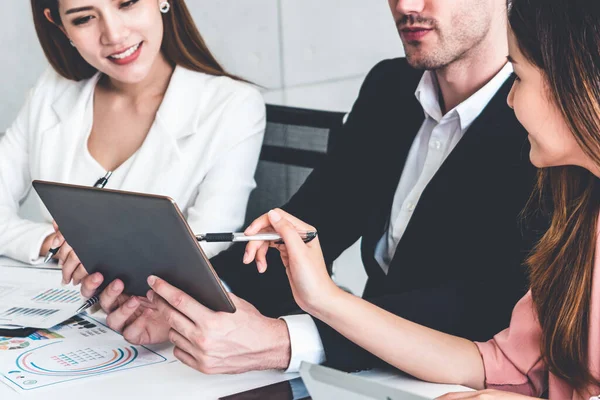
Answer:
[(459, 265)]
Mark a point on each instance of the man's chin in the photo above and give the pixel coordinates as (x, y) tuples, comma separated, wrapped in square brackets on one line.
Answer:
[(424, 59), (420, 62)]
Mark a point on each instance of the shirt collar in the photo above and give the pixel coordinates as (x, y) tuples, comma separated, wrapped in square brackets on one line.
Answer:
[(427, 94)]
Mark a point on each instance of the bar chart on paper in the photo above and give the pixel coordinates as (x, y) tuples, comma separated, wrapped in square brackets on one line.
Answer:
[(30, 312), (51, 296), (35, 298)]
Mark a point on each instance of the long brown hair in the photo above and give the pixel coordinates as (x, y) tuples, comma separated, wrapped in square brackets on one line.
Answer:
[(562, 39), (182, 43)]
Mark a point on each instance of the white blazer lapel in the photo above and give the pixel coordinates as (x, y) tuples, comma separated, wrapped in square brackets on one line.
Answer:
[(62, 141)]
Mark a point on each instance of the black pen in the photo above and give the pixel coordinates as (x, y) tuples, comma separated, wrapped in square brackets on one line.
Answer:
[(240, 237), (100, 183), (89, 302)]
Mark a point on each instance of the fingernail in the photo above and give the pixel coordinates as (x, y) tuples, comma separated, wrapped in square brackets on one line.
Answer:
[(151, 280), (150, 295), (132, 303), (246, 255), (274, 216), (259, 266), (55, 243), (96, 279)]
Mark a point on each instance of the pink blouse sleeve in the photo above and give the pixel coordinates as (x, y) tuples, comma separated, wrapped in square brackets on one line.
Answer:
[(512, 359)]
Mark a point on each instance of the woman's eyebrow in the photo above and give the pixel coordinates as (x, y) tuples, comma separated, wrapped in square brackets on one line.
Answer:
[(78, 9)]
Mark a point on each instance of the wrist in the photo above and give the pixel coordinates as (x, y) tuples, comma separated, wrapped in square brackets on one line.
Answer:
[(322, 304), (281, 349)]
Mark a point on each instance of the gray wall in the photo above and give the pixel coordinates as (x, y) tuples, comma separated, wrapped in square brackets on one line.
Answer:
[(304, 53)]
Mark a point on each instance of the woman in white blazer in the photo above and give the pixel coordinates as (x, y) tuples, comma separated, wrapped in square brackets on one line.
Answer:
[(133, 90)]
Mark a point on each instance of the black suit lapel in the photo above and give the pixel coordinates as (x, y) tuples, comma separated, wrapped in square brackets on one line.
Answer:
[(403, 126), (484, 137)]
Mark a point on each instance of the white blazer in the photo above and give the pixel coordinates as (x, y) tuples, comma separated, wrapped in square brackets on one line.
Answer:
[(202, 151)]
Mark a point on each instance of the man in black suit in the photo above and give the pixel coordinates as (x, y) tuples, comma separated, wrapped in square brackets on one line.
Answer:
[(430, 169)]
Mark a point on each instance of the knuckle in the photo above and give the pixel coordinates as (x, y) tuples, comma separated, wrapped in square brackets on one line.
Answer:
[(111, 322), (202, 368), (173, 337), (67, 269), (205, 366), (106, 304), (170, 317), (200, 342), (178, 300), (133, 339), (253, 246), (104, 308)]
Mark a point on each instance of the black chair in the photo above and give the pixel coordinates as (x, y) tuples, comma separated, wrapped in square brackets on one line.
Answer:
[(296, 141)]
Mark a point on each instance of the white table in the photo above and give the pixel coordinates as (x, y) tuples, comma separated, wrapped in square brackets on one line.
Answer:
[(177, 381)]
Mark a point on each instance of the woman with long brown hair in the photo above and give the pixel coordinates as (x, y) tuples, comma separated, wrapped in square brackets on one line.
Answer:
[(132, 90), (553, 342)]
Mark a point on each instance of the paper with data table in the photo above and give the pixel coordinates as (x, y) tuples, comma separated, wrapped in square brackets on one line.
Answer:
[(79, 348), (31, 297)]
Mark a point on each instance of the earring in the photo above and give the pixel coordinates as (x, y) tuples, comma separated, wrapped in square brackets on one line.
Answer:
[(165, 7), (72, 44)]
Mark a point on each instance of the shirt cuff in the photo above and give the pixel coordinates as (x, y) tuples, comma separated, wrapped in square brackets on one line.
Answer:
[(305, 342), (26, 246)]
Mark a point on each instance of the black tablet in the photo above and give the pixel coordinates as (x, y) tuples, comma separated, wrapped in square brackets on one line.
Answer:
[(131, 236), (287, 390)]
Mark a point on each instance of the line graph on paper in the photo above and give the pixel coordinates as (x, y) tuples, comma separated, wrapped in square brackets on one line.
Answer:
[(52, 360), (80, 348)]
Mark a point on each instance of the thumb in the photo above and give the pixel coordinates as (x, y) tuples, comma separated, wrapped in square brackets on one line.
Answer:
[(286, 230)]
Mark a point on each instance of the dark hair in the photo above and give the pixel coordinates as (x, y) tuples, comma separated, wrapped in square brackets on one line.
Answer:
[(182, 43), (562, 39)]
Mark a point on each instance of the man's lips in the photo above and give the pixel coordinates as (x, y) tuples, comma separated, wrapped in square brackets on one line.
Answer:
[(414, 33)]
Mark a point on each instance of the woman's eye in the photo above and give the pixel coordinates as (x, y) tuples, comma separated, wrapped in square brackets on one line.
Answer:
[(82, 20), (128, 4)]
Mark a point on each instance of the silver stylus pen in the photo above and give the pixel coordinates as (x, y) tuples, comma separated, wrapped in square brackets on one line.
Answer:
[(240, 237)]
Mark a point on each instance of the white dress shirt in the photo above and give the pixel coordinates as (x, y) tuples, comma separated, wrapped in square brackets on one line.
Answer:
[(436, 138), (202, 151)]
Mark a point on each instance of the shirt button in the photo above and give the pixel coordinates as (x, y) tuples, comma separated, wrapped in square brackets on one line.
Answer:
[(410, 207), (435, 144)]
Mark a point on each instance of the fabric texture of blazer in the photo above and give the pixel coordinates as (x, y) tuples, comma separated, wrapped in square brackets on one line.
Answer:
[(202, 150), (458, 267)]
